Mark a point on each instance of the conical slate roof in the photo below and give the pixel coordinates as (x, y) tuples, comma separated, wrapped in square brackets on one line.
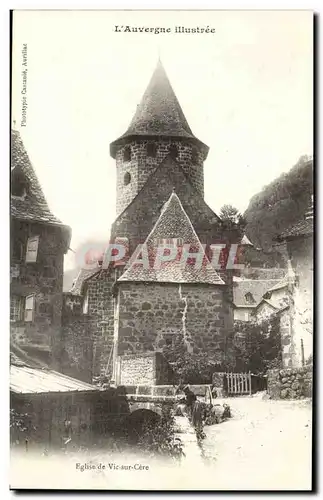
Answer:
[(172, 225), (158, 114), (33, 205)]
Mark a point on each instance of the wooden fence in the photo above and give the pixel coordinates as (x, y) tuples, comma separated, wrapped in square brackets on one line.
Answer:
[(237, 383)]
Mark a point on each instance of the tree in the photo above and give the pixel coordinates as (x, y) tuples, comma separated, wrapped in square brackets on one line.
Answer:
[(257, 346), (232, 218)]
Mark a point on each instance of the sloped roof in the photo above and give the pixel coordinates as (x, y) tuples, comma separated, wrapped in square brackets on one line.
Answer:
[(27, 380), (83, 275), (29, 375), (281, 284), (257, 288), (33, 206), (277, 306), (173, 223), (263, 273), (158, 114), (18, 357), (302, 228)]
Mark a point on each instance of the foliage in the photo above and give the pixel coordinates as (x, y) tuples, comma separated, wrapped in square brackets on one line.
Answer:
[(19, 421), (280, 204), (232, 218), (159, 439), (191, 367), (257, 347)]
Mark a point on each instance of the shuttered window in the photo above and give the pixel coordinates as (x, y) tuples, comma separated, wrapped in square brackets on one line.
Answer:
[(29, 307), (32, 249), (16, 307)]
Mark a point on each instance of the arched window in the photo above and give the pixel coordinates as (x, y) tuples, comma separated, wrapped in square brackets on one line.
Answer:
[(127, 153), (173, 151), (151, 149), (127, 179), (195, 155)]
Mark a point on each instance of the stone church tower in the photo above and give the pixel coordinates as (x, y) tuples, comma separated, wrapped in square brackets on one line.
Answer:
[(160, 200)]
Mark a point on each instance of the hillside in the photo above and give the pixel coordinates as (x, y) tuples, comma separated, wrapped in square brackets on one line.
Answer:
[(280, 204)]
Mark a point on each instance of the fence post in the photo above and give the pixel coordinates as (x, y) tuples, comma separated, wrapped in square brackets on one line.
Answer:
[(249, 383)]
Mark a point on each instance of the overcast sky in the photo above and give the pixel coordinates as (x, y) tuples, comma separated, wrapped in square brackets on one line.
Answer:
[(246, 91)]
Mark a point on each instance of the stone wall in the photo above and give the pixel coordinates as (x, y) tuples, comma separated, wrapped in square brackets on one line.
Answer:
[(301, 251), (143, 369), (44, 279), (137, 370), (136, 222), (141, 166), (290, 383), (101, 324), (155, 315), (77, 344), (88, 338)]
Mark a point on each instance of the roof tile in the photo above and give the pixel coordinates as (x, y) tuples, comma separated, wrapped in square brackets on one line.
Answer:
[(173, 224), (159, 113)]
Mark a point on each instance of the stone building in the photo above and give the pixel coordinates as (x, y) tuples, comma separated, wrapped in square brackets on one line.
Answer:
[(296, 243), (160, 201), (38, 244), (248, 294)]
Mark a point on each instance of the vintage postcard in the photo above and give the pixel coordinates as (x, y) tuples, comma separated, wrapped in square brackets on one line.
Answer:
[(161, 272)]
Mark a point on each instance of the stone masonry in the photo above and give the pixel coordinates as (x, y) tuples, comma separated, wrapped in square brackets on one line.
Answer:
[(141, 166), (152, 316), (44, 279), (290, 383), (158, 155)]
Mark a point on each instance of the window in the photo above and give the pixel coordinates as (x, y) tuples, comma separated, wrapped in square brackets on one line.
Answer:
[(17, 250), (29, 307), (151, 149), (86, 303), (16, 306), (195, 156), (127, 153), (18, 185), (249, 298), (173, 151), (127, 179), (169, 339), (246, 316), (32, 249), (46, 308)]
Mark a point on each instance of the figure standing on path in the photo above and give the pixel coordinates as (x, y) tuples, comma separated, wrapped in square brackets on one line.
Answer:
[(190, 399)]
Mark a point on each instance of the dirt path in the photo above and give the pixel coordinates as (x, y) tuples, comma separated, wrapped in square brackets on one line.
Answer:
[(267, 444)]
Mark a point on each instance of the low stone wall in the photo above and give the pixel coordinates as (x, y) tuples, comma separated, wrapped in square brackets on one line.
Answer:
[(290, 383), (144, 369)]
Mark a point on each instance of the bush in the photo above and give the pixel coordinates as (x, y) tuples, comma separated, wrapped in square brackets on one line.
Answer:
[(257, 347), (191, 368), (159, 438)]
